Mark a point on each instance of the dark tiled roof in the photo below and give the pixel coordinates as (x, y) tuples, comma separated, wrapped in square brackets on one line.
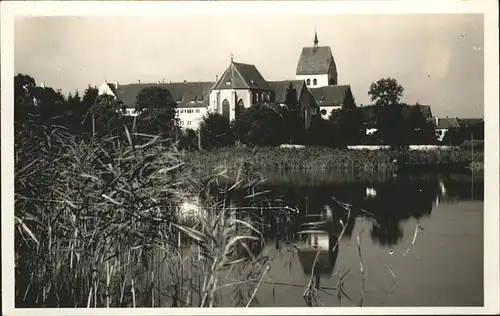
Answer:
[(112, 87), (424, 109), (182, 92), (331, 95), (242, 76), (446, 123), (280, 88), (315, 61)]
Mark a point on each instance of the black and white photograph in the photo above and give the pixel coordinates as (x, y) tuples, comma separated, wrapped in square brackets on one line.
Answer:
[(288, 157)]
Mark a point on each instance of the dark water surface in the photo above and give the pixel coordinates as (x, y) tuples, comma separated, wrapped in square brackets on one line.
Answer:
[(420, 238)]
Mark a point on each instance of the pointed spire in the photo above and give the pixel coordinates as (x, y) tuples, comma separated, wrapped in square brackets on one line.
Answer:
[(315, 39)]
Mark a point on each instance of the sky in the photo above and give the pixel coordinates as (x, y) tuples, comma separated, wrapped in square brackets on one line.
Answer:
[(437, 58)]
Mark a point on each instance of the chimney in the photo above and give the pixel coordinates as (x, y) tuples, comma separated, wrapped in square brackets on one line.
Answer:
[(169, 81), (105, 81), (157, 82), (185, 81), (138, 81), (437, 120), (116, 85), (42, 84), (216, 78), (163, 81)]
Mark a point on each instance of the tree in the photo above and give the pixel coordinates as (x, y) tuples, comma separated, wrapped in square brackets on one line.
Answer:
[(259, 125), (157, 112), (293, 126), (321, 133), (82, 113), (188, 140), (20, 81), (422, 131), (453, 136), (392, 128), (215, 131), (106, 117), (291, 102), (386, 91), (347, 123)]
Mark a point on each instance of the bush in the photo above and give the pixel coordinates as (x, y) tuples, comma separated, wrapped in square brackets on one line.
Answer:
[(215, 131)]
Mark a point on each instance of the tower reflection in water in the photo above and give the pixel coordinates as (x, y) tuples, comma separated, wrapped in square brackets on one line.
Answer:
[(318, 238)]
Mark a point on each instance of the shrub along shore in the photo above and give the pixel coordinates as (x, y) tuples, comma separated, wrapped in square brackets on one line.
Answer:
[(331, 159)]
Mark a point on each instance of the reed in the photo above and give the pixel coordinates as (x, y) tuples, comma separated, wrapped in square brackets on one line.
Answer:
[(98, 224), (320, 159)]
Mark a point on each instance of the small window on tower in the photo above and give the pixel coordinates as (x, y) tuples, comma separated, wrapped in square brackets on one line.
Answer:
[(308, 82), (228, 82), (315, 82)]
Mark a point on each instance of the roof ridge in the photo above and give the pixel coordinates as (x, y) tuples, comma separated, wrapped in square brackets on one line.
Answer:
[(238, 63), (241, 76)]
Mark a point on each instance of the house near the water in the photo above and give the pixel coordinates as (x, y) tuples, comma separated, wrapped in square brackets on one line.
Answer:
[(312, 242), (369, 116), (242, 85), (443, 125)]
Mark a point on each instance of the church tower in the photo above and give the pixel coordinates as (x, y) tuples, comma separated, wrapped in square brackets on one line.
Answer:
[(316, 66)]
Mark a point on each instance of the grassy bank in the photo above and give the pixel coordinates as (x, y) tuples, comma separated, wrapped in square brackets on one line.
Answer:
[(325, 159)]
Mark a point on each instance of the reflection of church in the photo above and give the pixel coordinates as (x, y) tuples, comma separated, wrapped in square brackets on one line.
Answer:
[(319, 235), (242, 85)]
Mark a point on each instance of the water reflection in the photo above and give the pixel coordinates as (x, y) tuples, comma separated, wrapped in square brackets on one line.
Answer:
[(385, 203), (318, 244)]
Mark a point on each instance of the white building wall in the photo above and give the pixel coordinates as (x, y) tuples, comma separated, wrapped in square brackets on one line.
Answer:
[(440, 132), (328, 110), (232, 96), (320, 240), (191, 117), (322, 80)]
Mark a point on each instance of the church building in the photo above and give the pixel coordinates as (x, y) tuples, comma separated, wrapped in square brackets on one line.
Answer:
[(241, 86)]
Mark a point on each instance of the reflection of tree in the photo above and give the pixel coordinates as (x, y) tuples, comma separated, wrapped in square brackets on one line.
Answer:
[(387, 232), (397, 200)]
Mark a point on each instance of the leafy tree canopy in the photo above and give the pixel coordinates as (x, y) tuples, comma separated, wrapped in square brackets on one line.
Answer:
[(215, 131), (259, 125), (386, 91)]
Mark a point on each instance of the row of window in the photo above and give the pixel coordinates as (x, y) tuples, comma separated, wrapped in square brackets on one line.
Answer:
[(263, 96), (189, 111), (315, 82), (187, 123)]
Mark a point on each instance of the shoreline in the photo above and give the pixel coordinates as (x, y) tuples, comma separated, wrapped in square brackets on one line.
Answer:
[(318, 159)]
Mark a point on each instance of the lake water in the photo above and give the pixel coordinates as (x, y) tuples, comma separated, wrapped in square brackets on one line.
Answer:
[(420, 239)]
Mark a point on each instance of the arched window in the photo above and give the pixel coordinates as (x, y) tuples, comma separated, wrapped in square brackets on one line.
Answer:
[(254, 98), (225, 108), (308, 82), (240, 106), (315, 82)]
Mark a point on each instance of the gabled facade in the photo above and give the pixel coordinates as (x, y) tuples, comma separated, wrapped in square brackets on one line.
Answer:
[(308, 105), (239, 87), (332, 98)]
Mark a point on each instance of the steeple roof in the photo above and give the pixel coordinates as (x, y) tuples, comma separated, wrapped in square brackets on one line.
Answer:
[(315, 61), (241, 76)]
